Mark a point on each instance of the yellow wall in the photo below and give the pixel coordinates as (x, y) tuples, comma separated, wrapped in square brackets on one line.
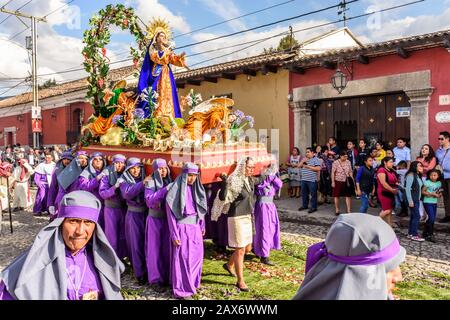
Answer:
[(264, 97)]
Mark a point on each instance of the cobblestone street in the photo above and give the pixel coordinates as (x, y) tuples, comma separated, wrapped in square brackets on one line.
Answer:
[(423, 258)]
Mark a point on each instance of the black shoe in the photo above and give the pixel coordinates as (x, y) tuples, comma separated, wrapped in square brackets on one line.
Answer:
[(445, 220), (312, 210), (243, 289), (267, 261), (430, 239), (302, 208), (225, 266)]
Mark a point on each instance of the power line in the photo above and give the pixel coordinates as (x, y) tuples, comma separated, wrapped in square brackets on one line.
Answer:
[(65, 5), (1, 94), (74, 69), (15, 10), (7, 3), (264, 25), (232, 19)]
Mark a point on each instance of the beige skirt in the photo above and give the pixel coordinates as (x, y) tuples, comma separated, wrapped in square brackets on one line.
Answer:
[(240, 231)]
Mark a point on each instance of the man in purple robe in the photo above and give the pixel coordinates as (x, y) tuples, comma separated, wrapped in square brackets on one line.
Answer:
[(157, 239), (70, 259), (267, 224), (89, 180), (132, 189), (68, 179), (115, 206), (63, 162), (186, 206), (42, 178)]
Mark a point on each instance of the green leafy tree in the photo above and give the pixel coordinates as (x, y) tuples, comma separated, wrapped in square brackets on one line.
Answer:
[(285, 43), (47, 84)]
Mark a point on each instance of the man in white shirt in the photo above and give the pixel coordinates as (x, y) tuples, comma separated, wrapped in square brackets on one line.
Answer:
[(402, 152)]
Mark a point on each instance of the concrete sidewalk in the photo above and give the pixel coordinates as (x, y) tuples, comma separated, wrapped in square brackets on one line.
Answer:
[(288, 211)]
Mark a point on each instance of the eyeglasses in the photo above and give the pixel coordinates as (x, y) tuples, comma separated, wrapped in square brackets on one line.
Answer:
[(253, 167), (440, 138)]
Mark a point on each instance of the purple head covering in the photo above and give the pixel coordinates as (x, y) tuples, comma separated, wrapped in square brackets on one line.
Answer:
[(110, 171), (119, 158), (81, 153), (66, 155), (80, 204), (90, 172), (159, 182), (353, 261), (176, 194)]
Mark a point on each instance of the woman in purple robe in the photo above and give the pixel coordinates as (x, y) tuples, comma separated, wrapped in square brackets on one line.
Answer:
[(115, 206), (267, 223), (157, 239), (132, 190), (42, 178), (68, 178), (63, 162), (186, 206), (89, 180), (70, 258)]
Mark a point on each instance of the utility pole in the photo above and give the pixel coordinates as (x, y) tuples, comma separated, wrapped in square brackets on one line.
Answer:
[(343, 6), (35, 109)]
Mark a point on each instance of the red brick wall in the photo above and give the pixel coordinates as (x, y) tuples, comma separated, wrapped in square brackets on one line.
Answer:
[(437, 60)]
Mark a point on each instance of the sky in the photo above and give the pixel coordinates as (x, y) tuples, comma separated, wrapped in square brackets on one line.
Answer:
[(60, 38)]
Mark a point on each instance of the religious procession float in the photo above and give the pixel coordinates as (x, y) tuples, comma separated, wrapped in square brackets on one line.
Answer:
[(146, 120)]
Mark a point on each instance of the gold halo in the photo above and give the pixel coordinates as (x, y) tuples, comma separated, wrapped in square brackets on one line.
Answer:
[(120, 85), (158, 25), (222, 101)]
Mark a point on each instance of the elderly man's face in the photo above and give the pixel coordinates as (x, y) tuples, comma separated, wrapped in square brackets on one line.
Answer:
[(77, 233), (163, 172), (249, 168), (392, 277)]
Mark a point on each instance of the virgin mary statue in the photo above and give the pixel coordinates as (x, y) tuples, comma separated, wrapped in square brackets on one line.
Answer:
[(157, 75)]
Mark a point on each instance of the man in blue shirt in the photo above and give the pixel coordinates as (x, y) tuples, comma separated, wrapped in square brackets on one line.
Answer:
[(443, 157), (402, 152), (310, 167)]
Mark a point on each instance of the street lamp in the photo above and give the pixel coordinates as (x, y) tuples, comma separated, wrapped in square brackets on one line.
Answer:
[(339, 81)]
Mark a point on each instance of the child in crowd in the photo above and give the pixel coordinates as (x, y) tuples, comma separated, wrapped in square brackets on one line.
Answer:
[(401, 207), (431, 192), (294, 173)]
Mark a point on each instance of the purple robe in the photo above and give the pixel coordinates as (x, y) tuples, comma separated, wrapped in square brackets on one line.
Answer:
[(187, 259), (267, 224), (92, 185), (40, 203), (53, 189), (86, 279), (115, 210), (135, 225), (157, 239)]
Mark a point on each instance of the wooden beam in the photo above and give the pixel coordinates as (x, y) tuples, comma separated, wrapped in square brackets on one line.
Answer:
[(229, 76), (296, 69), (210, 79), (329, 64), (249, 72), (180, 85), (194, 82), (269, 68), (363, 59), (402, 52)]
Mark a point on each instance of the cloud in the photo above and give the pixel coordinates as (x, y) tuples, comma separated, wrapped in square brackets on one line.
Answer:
[(226, 9), (148, 9), (404, 27)]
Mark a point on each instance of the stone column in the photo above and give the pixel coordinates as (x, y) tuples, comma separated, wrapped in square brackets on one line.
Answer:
[(419, 100), (302, 125)]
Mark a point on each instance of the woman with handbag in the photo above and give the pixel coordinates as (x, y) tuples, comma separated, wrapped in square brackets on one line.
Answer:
[(342, 181), (387, 188)]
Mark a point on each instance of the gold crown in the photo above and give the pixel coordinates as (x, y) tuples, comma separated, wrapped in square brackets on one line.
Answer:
[(156, 26)]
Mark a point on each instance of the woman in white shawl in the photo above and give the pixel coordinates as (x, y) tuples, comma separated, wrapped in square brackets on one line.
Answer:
[(22, 194), (43, 179)]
